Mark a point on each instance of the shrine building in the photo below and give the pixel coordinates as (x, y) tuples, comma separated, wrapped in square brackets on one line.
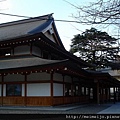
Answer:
[(37, 70)]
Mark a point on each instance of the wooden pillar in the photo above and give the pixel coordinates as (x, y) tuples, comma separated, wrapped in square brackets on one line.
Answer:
[(72, 91), (102, 94), (63, 89), (98, 97), (51, 88), (109, 94), (13, 51), (31, 45), (119, 93), (89, 93), (106, 94), (114, 94), (72, 87), (107, 91), (95, 93), (80, 90), (2, 90), (25, 91)]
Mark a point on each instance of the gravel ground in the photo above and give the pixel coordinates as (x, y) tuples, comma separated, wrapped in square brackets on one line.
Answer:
[(14, 114)]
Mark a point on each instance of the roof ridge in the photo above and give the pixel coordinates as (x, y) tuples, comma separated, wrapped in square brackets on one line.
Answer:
[(43, 17)]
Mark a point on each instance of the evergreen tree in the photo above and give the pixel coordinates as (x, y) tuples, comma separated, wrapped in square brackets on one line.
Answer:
[(95, 47)]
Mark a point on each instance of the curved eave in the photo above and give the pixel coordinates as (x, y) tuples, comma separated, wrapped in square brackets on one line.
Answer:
[(66, 53), (58, 37), (28, 62), (53, 46)]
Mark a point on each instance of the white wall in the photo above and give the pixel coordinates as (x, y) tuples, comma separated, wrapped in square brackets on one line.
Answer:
[(38, 89), (58, 77), (4, 90), (22, 50), (23, 89), (68, 79), (14, 77), (38, 76), (57, 89), (50, 36)]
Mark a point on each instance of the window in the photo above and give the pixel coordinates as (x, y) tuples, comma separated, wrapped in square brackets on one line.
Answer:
[(67, 89), (7, 54), (91, 93), (87, 91), (5, 51), (76, 90), (13, 90), (103, 91), (83, 91)]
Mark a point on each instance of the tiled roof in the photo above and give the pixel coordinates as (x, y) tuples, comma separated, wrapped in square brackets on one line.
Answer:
[(22, 27), (31, 26), (25, 62)]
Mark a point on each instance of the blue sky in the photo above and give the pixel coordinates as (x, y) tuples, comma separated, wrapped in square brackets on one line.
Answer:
[(33, 8)]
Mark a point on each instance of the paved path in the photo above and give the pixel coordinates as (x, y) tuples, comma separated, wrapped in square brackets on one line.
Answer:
[(56, 112), (114, 109), (62, 109), (49, 108)]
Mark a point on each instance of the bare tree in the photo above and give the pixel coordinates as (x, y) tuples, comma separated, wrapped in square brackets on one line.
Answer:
[(102, 12), (99, 13)]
